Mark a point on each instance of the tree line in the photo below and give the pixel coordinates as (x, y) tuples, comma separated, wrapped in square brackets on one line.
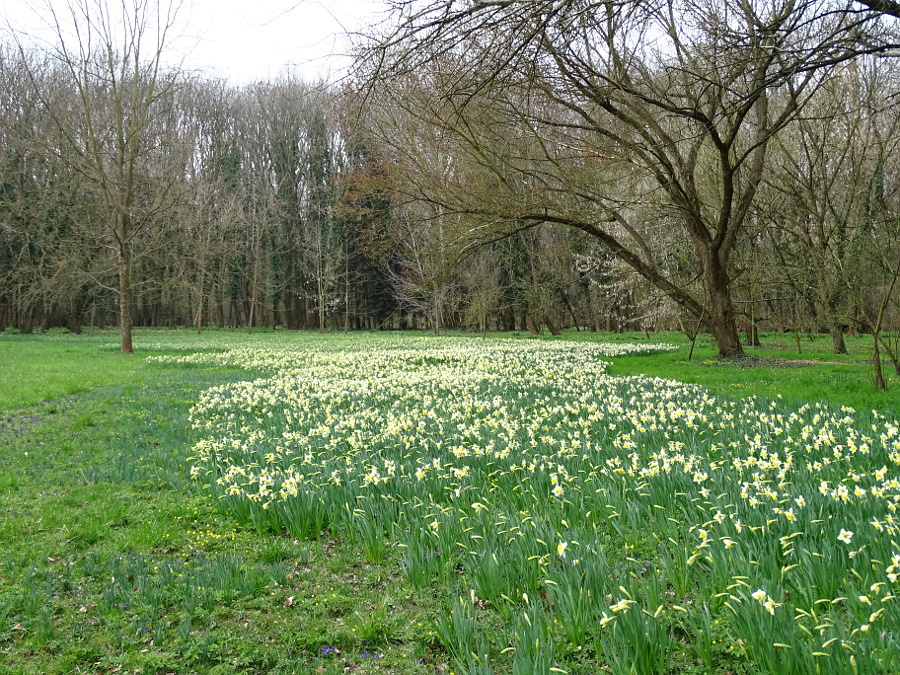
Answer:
[(504, 164)]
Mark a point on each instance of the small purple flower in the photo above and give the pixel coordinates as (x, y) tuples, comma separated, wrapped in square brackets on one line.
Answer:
[(327, 651)]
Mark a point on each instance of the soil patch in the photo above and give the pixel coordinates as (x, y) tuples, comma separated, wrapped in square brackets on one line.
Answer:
[(751, 361), (18, 424)]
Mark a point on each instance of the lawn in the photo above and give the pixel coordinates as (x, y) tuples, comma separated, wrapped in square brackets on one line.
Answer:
[(396, 503)]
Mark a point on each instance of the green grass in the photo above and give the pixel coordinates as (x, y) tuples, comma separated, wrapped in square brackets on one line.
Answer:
[(38, 368), (112, 560), (816, 374)]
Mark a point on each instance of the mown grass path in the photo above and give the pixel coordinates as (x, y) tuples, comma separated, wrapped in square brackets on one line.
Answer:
[(110, 561)]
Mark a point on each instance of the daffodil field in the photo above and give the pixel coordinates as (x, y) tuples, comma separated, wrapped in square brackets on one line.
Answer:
[(584, 520)]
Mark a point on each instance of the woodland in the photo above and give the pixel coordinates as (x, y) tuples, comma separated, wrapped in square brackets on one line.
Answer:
[(346, 493), (703, 166)]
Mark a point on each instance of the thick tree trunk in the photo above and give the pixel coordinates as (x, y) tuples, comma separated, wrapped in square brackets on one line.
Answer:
[(551, 326), (837, 340), (721, 318), (725, 334)]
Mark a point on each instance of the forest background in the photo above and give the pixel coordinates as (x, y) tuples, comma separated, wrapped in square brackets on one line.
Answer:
[(487, 165)]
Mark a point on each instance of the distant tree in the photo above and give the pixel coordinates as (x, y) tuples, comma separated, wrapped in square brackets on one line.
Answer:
[(483, 292), (365, 211), (828, 194)]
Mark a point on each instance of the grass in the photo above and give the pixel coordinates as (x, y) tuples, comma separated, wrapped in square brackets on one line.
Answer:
[(111, 560), (816, 374), (37, 369)]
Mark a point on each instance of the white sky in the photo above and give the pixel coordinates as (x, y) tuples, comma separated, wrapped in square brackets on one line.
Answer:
[(247, 40)]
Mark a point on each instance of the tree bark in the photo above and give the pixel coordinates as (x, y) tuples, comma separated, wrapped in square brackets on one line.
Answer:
[(837, 340), (123, 266), (721, 318), (880, 383), (551, 326), (891, 352)]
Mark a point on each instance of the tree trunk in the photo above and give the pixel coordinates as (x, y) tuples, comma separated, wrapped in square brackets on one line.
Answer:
[(721, 319), (551, 326), (880, 384), (201, 290), (837, 340), (891, 352), (752, 333), (346, 290), (123, 265), (251, 314)]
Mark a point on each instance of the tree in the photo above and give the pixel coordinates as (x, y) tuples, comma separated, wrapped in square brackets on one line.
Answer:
[(622, 119), (365, 209), (828, 195), (112, 57)]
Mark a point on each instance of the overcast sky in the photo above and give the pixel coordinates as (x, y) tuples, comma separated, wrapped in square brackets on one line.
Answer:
[(249, 40)]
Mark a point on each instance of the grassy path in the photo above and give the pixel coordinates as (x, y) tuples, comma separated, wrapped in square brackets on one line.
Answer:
[(110, 561)]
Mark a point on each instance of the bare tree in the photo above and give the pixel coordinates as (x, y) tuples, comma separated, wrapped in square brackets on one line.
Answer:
[(618, 118), (828, 194), (112, 56)]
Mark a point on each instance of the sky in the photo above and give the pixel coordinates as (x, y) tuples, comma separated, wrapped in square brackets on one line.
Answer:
[(247, 40)]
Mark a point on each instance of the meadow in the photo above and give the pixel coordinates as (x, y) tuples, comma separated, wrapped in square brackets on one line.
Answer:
[(409, 504)]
